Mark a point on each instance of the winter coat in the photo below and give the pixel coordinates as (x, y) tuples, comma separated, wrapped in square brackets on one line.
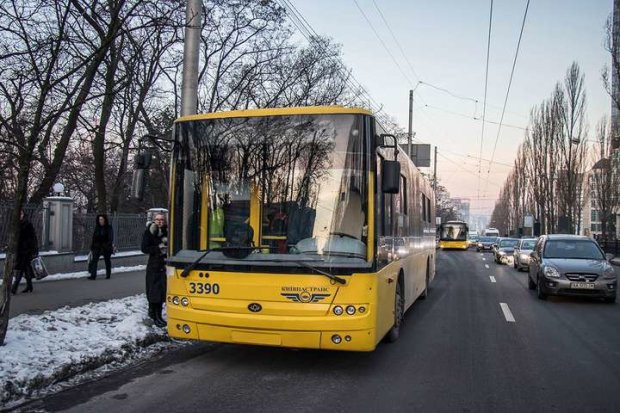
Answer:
[(154, 241), (103, 239), (28, 247)]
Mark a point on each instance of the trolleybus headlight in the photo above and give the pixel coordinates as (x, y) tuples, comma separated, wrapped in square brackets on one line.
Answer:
[(184, 301), (350, 310), (362, 309), (336, 339), (175, 300), (186, 329), (338, 310)]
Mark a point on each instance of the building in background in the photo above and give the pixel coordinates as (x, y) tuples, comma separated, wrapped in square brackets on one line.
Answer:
[(462, 208)]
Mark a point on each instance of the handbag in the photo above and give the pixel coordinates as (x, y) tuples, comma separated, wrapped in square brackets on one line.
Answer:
[(38, 268)]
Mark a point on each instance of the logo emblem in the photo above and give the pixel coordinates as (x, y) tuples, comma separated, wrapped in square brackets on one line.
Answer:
[(305, 297), (255, 307)]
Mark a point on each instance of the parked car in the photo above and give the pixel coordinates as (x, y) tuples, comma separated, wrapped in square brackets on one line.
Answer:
[(504, 249), (486, 243), (521, 255), (571, 265), (472, 240)]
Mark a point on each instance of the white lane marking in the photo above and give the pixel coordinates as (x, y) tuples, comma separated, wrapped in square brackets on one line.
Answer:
[(507, 313), (492, 278), (484, 259), (486, 265)]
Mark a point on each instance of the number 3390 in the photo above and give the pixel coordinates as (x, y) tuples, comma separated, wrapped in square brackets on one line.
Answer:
[(204, 288)]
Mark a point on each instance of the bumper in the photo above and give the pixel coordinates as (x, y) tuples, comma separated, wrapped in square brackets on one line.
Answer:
[(296, 332), (523, 262), (602, 288)]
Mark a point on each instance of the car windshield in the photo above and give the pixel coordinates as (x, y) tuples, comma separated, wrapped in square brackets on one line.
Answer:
[(508, 243), (576, 249), (528, 245), (487, 239)]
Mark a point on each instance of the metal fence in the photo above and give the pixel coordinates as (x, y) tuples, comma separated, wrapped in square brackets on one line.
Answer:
[(35, 214), (128, 230), (610, 246)]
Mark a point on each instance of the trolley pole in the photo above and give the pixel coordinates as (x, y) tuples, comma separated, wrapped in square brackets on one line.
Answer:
[(191, 53), (410, 134)]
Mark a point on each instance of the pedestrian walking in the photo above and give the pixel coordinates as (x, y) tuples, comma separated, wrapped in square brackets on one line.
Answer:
[(27, 250), (155, 243), (102, 244)]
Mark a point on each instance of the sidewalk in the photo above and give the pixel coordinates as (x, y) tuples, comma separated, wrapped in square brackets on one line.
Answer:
[(76, 292)]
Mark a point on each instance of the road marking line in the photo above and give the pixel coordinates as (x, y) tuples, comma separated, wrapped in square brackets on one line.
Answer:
[(484, 259), (507, 313), (492, 278), (486, 265)]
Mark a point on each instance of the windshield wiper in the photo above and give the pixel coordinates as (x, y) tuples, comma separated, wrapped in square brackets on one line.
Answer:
[(193, 265)]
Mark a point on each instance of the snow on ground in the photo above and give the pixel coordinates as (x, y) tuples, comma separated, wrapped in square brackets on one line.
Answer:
[(84, 274), (84, 258), (42, 253), (41, 350)]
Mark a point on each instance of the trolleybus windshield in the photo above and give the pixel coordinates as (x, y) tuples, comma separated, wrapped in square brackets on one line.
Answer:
[(289, 185), (453, 232)]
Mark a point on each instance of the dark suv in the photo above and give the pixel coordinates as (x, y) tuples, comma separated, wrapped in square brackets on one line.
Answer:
[(571, 265)]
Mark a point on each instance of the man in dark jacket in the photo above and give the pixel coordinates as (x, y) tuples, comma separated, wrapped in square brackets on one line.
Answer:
[(102, 244), (27, 250), (155, 243)]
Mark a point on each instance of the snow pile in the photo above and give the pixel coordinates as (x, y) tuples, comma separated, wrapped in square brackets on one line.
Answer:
[(123, 254), (41, 350)]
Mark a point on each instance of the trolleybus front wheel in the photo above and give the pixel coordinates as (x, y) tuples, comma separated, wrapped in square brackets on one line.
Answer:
[(399, 312)]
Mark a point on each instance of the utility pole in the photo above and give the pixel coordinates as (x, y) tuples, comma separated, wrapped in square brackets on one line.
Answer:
[(410, 134), (435, 171), (191, 54)]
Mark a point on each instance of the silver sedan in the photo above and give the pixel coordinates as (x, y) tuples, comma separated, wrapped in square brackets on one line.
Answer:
[(522, 253)]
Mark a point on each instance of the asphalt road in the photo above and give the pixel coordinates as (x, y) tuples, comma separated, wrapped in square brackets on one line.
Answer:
[(457, 352), (55, 294)]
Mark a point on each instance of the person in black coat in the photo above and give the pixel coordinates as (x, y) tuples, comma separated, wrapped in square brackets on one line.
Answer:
[(155, 244), (27, 250), (102, 244)]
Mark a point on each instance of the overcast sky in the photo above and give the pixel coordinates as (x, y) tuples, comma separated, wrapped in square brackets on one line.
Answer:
[(445, 43)]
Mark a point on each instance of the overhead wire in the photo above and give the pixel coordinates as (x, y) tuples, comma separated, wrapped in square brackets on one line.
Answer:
[(486, 84), (512, 72), (306, 30)]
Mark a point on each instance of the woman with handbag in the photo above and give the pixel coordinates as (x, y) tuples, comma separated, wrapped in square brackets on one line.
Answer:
[(102, 244), (27, 250), (155, 244)]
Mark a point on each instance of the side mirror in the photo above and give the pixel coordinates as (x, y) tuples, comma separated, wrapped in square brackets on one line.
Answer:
[(142, 162), (609, 256), (390, 176), (386, 140)]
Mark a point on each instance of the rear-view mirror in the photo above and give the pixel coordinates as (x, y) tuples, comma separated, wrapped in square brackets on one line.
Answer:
[(141, 164), (390, 176), (609, 256)]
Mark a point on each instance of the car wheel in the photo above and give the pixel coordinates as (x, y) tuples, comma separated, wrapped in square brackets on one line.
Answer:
[(514, 264), (610, 300), (539, 290), (477, 249), (530, 284), (399, 311)]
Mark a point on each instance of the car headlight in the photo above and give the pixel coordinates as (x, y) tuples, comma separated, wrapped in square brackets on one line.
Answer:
[(608, 271), (551, 272)]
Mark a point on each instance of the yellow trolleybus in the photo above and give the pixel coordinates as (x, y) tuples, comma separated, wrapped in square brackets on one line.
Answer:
[(299, 227), (453, 235)]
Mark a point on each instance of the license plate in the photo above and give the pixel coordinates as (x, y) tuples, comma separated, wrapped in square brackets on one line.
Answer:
[(582, 286)]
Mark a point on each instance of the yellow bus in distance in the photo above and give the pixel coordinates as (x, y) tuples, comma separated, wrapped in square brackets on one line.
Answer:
[(297, 227), (453, 235)]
